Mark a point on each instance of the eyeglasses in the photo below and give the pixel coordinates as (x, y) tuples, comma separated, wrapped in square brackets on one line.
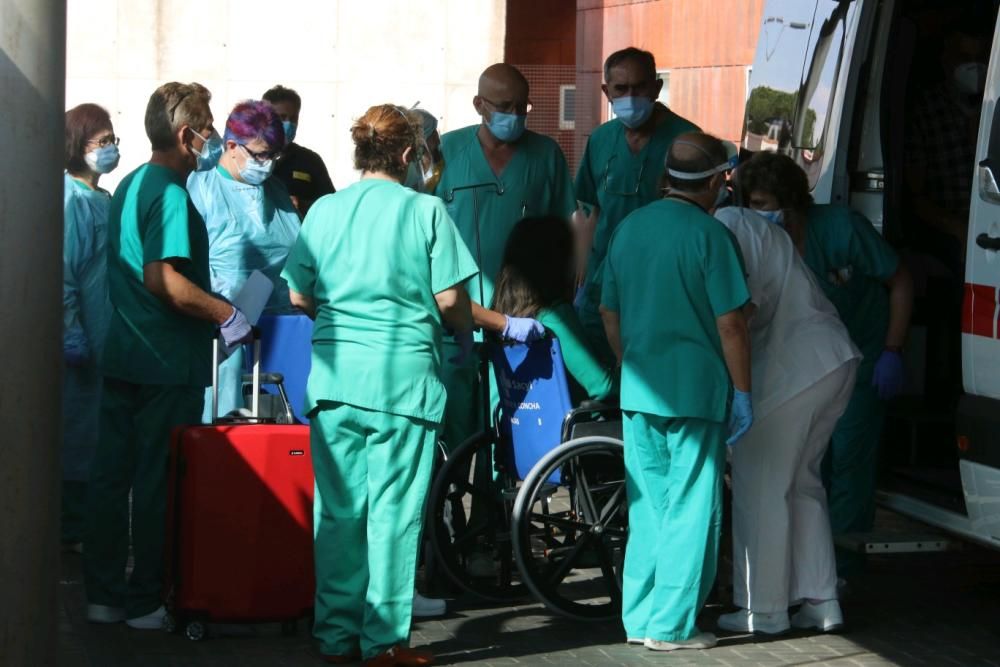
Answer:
[(509, 107), (615, 185), (106, 140), (261, 156)]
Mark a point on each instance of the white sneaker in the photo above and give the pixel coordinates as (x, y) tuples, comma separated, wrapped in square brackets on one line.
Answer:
[(700, 640), (100, 613), (824, 616), (744, 620), (151, 621), (428, 607)]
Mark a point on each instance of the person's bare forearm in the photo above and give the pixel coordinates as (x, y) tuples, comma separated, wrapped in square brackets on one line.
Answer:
[(455, 308), (488, 320), (900, 287), (170, 286), (303, 303), (735, 337), (613, 331)]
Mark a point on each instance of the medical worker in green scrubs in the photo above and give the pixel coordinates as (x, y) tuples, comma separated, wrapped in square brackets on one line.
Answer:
[(157, 356), (685, 390), (519, 173), (873, 294), (621, 167), (91, 151), (381, 268)]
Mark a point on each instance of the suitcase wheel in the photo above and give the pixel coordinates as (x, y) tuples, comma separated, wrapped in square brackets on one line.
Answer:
[(195, 631)]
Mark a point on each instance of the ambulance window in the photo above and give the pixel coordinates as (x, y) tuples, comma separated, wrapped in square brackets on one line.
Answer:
[(777, 74), (827, 38)]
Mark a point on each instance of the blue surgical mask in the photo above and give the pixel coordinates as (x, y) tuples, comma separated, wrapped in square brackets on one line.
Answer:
[(632, 111), (776, 216), (289, 128), (506, 126), (210, 153), (104, 159), (254, 172)]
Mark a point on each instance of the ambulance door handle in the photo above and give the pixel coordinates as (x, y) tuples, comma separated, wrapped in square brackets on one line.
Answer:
[(988, 188), (987, 242)]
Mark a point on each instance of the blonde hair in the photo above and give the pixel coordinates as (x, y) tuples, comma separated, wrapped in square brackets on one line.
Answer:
[(172, 106), (380, 137)]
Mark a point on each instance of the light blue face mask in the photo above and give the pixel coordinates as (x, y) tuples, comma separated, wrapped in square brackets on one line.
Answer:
[(210, 153), (776, 217), (506, 126), (104, 159), (254, 172), (632, 111), (290, 129)]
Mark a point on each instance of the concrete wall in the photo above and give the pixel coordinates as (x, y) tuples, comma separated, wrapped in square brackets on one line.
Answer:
[(342, 56)]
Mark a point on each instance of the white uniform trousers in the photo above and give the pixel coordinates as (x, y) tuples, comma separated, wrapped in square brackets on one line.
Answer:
[(782, 546)]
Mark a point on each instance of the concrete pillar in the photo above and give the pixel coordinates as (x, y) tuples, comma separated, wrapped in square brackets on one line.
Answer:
[(32, 83)]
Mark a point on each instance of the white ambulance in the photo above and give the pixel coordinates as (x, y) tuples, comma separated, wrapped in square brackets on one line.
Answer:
[(838, 85)]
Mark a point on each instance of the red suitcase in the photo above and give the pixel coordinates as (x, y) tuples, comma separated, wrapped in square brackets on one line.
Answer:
[(239, 540)]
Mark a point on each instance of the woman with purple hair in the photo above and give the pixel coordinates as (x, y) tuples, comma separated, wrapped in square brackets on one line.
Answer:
[(251, 221)]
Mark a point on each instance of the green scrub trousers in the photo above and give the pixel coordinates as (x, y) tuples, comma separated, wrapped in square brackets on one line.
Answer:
[(851, 467), (132, 453), (372, 472), (674, 469)]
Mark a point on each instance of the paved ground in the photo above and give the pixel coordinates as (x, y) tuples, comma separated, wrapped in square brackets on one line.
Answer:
[(923, 609)]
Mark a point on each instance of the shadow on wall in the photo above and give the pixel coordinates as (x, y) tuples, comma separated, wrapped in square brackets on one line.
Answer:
[(31, 137)]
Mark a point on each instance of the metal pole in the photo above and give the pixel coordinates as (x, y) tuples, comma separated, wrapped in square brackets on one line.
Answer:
[(32, 85)]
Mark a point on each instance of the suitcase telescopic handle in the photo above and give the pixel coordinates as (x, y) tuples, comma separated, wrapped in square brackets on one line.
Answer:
[(278, 380), (255, 401)]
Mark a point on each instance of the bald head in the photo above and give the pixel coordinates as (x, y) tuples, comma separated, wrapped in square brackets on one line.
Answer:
[(696, 153), (503, 81)]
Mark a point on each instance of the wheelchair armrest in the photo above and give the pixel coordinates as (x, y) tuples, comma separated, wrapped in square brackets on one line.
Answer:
[(588, 411)]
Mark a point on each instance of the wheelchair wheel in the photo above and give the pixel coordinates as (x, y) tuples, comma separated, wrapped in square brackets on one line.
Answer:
[(470, 523), (569, 539)]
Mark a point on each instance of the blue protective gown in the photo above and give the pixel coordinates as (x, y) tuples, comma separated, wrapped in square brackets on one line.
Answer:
[(86, 313), (250, 227)]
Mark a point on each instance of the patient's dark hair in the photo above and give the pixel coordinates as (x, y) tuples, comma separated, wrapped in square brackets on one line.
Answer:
[(778, 175), (538, 267)]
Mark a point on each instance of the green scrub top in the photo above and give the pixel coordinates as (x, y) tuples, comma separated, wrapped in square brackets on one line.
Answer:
[(372, 257), (852, 262), (620, 181), (594, 378), (535, 182), (671, 270), (151, 219)]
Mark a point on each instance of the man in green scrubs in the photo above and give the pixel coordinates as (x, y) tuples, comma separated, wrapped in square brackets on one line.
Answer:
[(872, 290), (519, 173), (672, 303), (157, 359), (621, 167), (375, 398)]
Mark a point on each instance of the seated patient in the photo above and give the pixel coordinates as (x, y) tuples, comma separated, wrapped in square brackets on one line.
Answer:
[(536, 280)]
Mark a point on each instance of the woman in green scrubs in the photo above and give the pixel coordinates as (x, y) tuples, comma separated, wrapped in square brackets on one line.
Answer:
[(380, 268)]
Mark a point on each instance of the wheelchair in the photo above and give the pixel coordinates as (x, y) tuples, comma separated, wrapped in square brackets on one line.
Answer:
[(546, 490)]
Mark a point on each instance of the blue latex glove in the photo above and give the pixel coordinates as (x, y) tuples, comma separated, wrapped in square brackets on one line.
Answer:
[(236, 329), (523, 329), (889, 375), (465, 346), (740, 416)]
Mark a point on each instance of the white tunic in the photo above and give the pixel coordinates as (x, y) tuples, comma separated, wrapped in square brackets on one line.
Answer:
[(796, 337)]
